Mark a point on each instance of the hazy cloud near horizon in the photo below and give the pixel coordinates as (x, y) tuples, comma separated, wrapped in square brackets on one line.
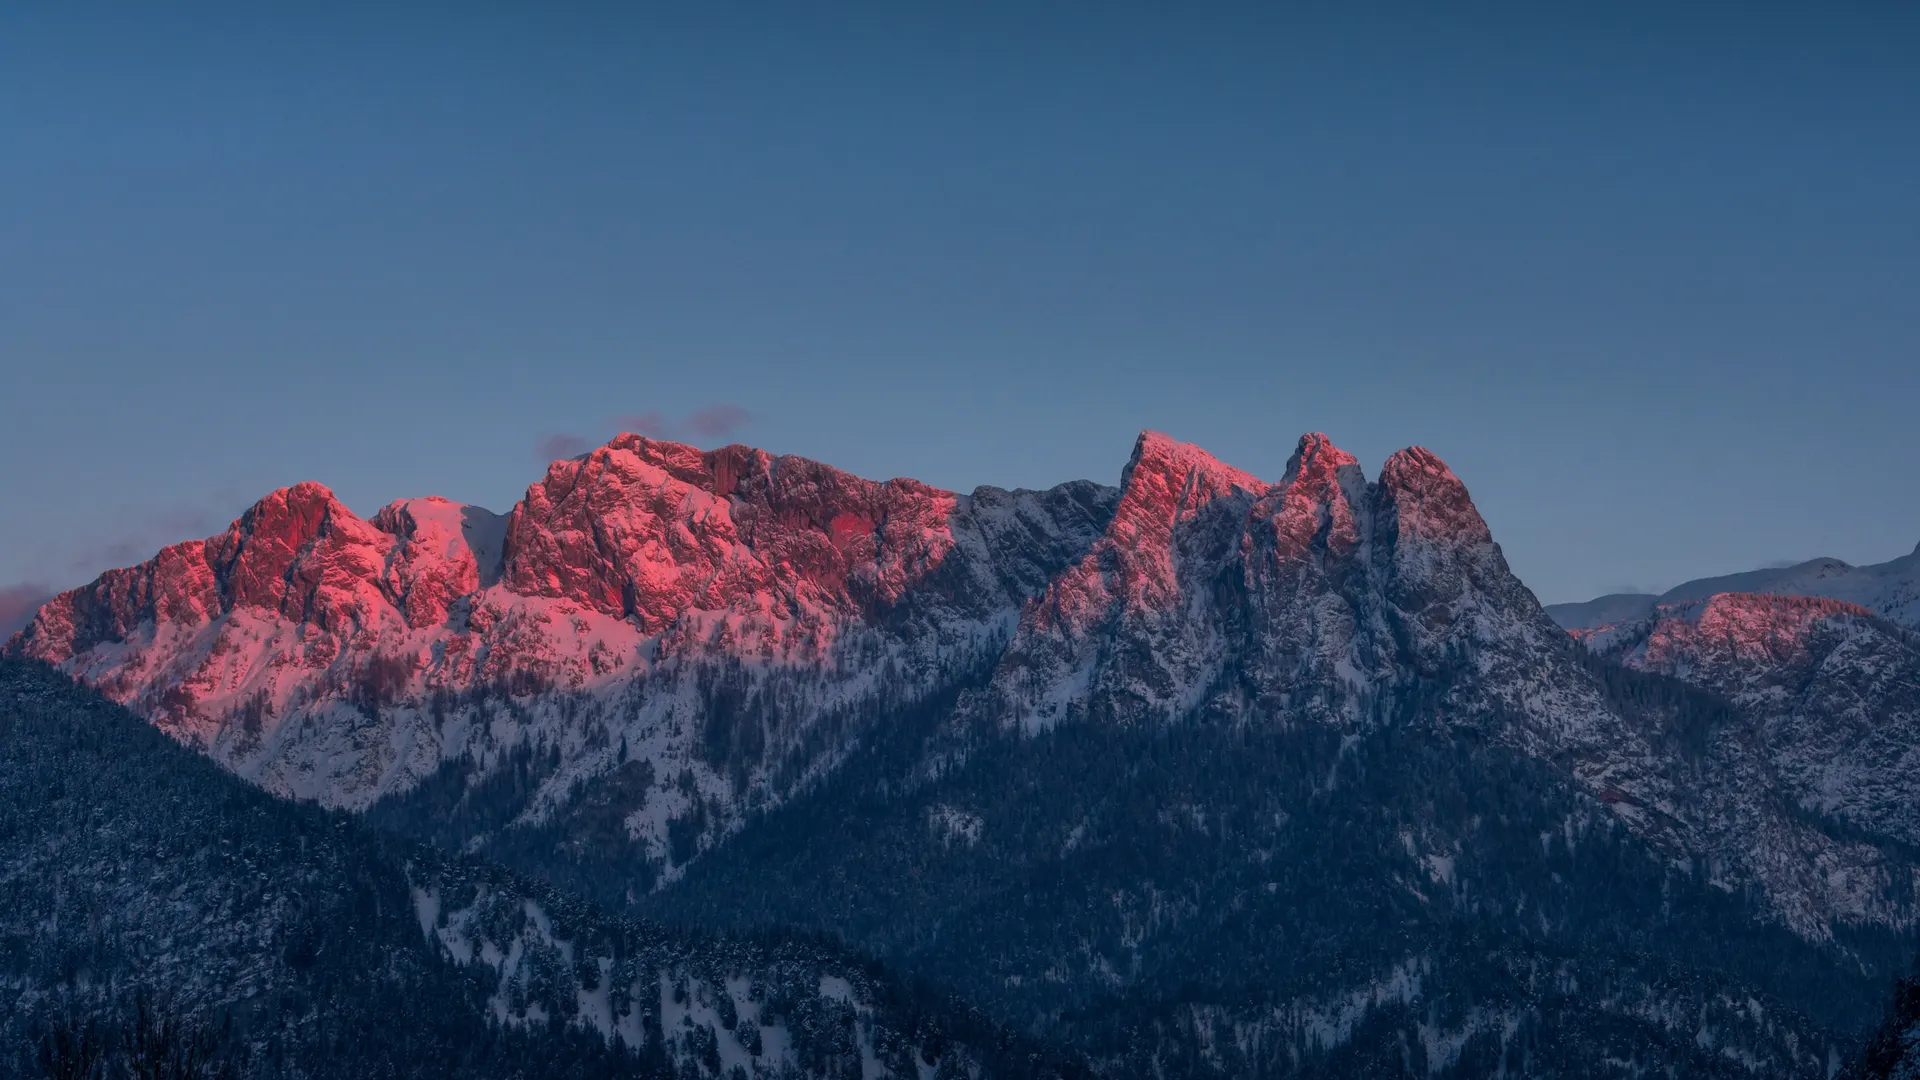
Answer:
[(134, 536), (562, 445), (17, 605), (713, 422)]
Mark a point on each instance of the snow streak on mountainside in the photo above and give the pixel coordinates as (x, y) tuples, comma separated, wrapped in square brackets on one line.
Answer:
[(701, 613), (1890, 589)]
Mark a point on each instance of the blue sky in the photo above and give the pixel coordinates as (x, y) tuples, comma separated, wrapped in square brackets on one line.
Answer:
[(1648, 279)]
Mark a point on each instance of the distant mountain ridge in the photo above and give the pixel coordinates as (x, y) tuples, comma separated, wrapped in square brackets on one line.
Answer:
[(1890, 589)]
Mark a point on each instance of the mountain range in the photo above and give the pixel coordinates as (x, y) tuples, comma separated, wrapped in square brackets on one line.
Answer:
[(1200, 775)]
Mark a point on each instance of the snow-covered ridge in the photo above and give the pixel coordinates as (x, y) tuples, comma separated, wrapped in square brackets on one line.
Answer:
[(1890, 589)]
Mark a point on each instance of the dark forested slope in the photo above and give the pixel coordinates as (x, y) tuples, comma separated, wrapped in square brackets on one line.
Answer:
[(133, 870)]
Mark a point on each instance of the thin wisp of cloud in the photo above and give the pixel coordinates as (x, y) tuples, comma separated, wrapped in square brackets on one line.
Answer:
[(710, 424), (18, 604)]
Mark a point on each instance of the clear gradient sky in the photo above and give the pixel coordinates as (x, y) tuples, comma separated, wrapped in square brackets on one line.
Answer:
[(1647, 276)]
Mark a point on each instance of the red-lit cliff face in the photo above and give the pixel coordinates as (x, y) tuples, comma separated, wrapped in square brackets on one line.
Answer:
[(1730, 643), (297, 554), (639, 531), (1167, 487), (648, 530), (294, 597), (442, 551), (1310, 516)]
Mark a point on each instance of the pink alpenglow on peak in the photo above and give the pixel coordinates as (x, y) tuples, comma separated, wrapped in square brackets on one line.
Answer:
[(1164, 471), (1165, 484), (637, 529), (1316, 590), (647, 529), (1744, 633), (1146, 580), (296, 552), (1315, 455), (1428, 500), (1315, 498)]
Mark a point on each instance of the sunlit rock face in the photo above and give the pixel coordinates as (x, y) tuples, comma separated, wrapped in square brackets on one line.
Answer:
[(647, 530)]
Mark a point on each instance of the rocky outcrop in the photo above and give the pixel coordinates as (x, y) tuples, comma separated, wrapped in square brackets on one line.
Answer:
[(1131, 626), (647, 530), (1830, 693)]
